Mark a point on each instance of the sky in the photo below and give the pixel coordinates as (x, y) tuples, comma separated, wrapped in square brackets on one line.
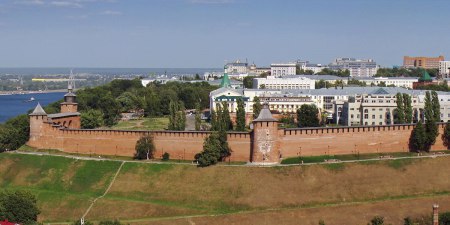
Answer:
[(208, 33)]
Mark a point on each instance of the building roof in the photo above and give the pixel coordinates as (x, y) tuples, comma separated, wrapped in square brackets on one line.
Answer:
[(425, 76), (265, 115), (225, 81), (59, 115), (38, 111), (342, 91)]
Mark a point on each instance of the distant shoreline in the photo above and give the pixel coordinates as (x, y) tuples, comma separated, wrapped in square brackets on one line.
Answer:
[(30, 92)]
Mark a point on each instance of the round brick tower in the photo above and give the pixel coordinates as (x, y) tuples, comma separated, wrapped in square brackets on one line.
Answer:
[(265, 146)]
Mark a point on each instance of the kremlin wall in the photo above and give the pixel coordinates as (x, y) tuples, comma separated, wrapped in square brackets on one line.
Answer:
[(266, 143)]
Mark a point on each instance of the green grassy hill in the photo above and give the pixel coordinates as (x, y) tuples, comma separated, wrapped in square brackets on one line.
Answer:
[(242, 195)]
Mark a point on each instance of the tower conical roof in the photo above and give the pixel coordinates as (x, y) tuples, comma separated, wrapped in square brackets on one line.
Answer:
[(425, 76), (225, 81), (38, 111), (265, 115)]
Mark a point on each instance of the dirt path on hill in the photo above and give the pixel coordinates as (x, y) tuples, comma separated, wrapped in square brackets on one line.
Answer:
[(106, 191)]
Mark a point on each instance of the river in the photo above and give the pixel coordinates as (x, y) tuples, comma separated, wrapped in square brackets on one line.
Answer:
[(14, 105)]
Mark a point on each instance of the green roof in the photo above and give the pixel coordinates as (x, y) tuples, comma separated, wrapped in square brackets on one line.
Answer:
[(425, 77), (225, 81)]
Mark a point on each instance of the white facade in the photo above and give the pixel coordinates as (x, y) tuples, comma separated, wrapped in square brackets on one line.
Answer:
[(282, 69), (316, 68), (271, 82), (349, 106), (236, 67), (357, 67), (444, 69), (406, 82)]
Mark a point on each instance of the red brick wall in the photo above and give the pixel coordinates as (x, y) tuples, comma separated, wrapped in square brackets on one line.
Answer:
[(180, 145), (349, 140), (184, 145)]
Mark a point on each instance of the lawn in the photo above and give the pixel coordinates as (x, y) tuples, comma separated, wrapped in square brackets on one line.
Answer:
[(65, 187), (154, 123)]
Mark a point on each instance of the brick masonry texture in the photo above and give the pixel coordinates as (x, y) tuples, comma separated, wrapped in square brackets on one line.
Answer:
[(244, 145)]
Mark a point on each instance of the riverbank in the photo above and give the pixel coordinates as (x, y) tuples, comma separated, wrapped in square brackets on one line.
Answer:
[(31, 92)]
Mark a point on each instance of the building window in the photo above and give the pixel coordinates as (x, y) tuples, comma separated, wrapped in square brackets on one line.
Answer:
[(373, 116), (366, 111), (351, 116), (366, 116), (381, 116)]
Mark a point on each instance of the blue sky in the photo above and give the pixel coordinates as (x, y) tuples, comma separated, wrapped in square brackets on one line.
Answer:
[(205, 33)]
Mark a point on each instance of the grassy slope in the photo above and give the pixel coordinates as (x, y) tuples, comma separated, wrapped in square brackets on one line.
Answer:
[(157, 123), (141, 191)]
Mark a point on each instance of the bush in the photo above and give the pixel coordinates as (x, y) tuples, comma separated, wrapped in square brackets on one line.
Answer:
[(165, 156)]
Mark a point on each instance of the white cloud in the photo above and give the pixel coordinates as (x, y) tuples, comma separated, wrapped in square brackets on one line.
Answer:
[(29, 2), (211, 1), (71, 4), (111, 13)]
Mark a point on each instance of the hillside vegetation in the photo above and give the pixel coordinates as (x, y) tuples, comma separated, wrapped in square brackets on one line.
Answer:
[(65, 187)]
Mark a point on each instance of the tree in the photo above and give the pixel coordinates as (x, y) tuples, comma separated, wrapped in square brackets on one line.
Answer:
[(240, 115), (173, 109), (211, 151), (91, 119), (400, 109), (248, 81), (19, 207), (256, 107), (417, 141), (177, 116), (446, 135), (307, 116), (431, 113), (407, 107), (436, 106), (377, 220), (145, 148), (181, 118), (198, 116), (226, 119)]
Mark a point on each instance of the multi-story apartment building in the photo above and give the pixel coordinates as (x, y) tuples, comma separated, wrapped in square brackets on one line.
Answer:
[(444, 69), (285, 82), (357, 67), (422, 62), (346, 106), (282, 69)]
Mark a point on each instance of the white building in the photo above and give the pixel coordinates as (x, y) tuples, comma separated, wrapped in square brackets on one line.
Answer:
[(282, 69), (236, 67), (357, 67), (347, 106), (289, 82), (316, 68), (444, 69), (406, 82)]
